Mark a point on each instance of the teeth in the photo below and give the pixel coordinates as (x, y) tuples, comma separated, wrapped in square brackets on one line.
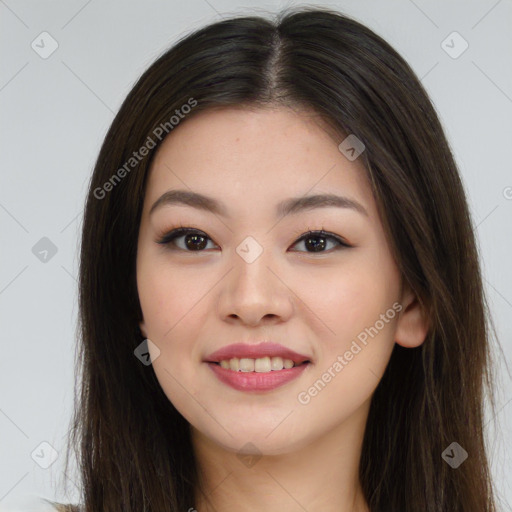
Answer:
[(260, 365), (246, 365)]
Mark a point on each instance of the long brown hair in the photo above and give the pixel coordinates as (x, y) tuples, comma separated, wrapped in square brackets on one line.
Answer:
[(133, 447)]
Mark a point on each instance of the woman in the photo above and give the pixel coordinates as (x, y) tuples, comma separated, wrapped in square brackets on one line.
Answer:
[(281, 304)]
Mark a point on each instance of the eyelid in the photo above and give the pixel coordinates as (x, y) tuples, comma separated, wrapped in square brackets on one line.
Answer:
[(173, 233), (320, 232)]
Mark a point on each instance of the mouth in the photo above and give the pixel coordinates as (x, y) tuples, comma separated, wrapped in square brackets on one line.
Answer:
[(263, 357)]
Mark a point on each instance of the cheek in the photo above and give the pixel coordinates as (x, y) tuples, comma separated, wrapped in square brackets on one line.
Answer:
[(172, 322), (167, 297), (348, 304), (355, 341), (174, 304)]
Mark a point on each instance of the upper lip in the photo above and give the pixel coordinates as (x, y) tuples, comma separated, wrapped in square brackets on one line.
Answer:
[(252, 351)]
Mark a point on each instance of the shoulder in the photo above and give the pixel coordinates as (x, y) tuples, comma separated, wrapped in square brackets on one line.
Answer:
[(53, 506), (61, 507), (36, 504)]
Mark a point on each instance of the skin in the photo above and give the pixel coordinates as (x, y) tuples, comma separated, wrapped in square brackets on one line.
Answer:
[(316, 303)]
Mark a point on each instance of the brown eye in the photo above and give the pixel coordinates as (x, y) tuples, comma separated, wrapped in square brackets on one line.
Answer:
[(317, 241), (194, 240)]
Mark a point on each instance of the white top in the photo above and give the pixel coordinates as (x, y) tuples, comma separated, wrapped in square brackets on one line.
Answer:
[(27, 504)]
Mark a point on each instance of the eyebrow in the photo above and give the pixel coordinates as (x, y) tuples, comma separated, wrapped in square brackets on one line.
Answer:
[(289, 206)]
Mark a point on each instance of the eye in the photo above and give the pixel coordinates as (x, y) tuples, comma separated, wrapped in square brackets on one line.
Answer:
[(317, 241), (193, 238), (196, 240)]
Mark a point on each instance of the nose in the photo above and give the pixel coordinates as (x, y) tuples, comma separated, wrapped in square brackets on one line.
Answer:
[(254, 293)]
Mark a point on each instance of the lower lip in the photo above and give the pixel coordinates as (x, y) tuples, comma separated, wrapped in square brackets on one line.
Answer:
[(256, 381)]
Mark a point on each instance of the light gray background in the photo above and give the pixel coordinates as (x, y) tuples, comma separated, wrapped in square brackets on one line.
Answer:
[(55, 113)]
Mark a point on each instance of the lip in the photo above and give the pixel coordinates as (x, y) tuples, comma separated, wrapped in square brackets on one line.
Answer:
[(254, 381), (263, 349)]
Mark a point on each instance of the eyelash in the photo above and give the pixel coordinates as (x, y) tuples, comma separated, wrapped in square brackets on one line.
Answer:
[(183, 230)]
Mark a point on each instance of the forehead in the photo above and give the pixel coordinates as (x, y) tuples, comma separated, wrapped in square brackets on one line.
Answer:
[(248, 157)]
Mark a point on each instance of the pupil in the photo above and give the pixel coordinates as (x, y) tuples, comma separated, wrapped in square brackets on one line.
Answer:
[(316, 247), (194, 237)]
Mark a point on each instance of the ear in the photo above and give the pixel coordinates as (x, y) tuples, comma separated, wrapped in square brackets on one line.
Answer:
[(412, 324)]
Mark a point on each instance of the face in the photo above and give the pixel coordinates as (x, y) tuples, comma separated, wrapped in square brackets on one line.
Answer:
[(246, 273)]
